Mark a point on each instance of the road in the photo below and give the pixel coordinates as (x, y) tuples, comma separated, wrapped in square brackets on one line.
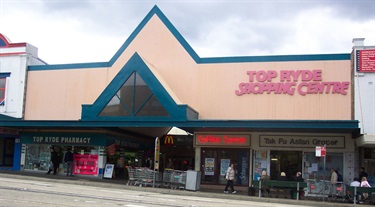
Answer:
[(21, 193)]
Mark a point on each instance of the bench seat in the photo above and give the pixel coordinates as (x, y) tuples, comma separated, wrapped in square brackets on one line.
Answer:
[(280, 186)]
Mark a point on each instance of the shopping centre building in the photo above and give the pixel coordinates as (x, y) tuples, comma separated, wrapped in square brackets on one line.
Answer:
[(259, 112)]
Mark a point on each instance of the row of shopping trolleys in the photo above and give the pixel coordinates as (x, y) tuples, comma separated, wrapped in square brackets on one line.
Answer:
[(142, 176)]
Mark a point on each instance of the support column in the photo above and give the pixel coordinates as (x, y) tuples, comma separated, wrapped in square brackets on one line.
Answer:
[(197, 166)]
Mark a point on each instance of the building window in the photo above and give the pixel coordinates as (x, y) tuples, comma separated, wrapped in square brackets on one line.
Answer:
[(134, 99), (2, 90)]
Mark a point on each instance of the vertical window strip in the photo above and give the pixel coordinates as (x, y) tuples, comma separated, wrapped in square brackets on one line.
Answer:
[(2, 90)]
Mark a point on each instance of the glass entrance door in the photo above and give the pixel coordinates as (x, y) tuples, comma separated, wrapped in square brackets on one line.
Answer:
[(215, 162), (289, 162)]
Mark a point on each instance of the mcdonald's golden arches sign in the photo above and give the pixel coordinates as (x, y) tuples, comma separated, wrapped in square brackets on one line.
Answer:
[(168, 140)]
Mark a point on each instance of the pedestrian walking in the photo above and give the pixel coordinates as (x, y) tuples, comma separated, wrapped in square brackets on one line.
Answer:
[(54, 162), (68, 159), (229, 176)]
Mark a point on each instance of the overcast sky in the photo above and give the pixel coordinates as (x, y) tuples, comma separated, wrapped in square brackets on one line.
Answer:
[(81, 31)]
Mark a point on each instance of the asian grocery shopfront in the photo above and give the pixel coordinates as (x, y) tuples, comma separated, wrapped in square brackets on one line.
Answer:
[(253, 152)]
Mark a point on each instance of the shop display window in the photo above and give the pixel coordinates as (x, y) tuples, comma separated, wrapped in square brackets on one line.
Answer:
[(314, 166), (37, 157)]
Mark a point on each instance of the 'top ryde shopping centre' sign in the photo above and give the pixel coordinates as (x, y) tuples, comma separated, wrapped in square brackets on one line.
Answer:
[(289, 82)]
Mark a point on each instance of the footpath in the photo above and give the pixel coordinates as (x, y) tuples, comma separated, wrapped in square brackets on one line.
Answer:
[(208, 191)]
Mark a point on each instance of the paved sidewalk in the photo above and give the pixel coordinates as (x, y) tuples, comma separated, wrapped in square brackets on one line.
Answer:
[(209, 191)]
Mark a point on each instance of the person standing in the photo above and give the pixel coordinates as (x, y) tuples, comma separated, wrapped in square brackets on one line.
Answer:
[(230, 178), (148, 163), (170, 164), (362, 173), (68, 159), (333, 177), (54, 161), (333, 181)]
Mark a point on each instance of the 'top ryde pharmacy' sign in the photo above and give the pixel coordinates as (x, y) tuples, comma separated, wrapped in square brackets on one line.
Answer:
[(289, 82)]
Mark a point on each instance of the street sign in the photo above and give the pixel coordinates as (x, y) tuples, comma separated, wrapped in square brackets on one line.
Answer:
[(320, 151)]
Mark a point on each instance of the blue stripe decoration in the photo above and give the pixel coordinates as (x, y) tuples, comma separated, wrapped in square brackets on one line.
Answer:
[(340, 126), (68, 66)]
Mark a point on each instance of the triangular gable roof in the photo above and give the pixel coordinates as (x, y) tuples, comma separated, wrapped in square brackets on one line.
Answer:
[(156, 11), (136, 64)]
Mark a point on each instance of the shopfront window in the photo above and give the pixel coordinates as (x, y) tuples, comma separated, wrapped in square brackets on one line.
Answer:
[(289, 162), (314, 166), (85, 158), (216, 161), (37, 157)]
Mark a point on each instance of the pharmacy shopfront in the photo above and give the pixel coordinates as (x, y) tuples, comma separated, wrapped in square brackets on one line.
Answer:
[(88, 150)]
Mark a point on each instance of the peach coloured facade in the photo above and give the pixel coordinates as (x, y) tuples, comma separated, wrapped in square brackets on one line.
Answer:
[(207, 88)]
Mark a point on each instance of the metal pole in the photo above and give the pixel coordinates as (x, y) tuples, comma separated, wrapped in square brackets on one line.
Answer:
[(297, 191), (156, 159), (324, 175)]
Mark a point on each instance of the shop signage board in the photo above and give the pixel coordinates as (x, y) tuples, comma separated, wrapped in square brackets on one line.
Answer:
[(168, 140), (290, 82), (64, 138), (108, 171), (111, 150), (301, 141), (365, 60), (214, 139), (8, 131)]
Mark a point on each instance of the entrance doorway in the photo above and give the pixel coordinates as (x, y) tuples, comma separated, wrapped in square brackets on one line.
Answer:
[(215, 162), (6, 152), (289, 162)]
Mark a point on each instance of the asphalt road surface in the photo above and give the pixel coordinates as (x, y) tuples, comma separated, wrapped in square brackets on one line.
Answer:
[(21, 193)]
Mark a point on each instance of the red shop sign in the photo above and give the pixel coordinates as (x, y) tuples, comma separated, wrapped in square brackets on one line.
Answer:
[(222, 139)]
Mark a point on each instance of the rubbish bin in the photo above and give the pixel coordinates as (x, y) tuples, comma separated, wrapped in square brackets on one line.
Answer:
[(193, 180), (251, 191)]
